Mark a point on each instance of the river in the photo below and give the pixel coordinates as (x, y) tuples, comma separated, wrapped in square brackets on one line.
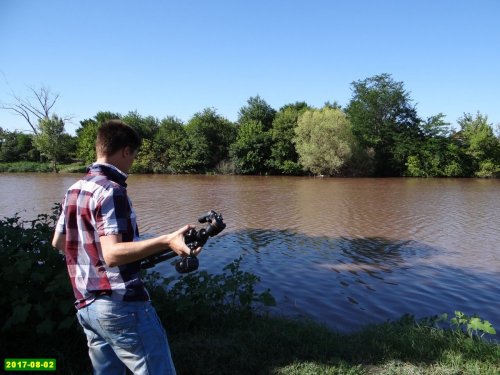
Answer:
[(345, 252)]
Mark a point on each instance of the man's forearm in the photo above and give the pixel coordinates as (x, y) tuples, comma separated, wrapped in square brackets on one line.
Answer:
[(59, 241), (117, 253)]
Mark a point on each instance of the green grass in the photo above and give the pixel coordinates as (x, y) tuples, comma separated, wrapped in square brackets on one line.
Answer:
[(270, 345), (40, 167)]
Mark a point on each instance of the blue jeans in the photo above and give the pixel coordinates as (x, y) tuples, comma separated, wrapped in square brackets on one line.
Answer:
[(125, 334)]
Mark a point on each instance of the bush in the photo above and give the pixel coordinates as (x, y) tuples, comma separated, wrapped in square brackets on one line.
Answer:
[(37, 317), (199, 299)]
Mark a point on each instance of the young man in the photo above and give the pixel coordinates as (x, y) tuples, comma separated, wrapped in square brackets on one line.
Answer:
[(98, 233)]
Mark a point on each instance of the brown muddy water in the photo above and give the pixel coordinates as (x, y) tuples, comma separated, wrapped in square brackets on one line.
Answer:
[(345, 252)]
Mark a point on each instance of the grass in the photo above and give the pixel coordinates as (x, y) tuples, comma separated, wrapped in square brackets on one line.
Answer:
[(39, 167), (271, 345), (281, 346)]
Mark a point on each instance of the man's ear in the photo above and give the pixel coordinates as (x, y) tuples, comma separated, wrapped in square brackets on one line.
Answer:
[(126, 151)]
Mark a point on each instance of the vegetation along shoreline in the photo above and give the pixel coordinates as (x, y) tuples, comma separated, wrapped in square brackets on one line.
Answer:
[(379, 133)]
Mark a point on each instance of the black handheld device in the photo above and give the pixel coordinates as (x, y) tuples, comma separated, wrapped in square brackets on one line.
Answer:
[(193, 240)]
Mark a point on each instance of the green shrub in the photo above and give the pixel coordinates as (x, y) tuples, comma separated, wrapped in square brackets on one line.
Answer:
[(37, 295), (201, 299)]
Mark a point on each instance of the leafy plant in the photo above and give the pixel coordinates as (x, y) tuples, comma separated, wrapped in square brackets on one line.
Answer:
[(37, 296), (201, 297), (473, 325)]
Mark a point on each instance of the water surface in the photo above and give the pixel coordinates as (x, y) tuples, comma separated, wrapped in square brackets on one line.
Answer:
[(345, 252)]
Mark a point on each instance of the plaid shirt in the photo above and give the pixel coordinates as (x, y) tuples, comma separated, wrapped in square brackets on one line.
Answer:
[(95, 206)]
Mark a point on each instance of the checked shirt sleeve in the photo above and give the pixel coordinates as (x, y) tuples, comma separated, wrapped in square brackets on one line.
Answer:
[(113, 213)]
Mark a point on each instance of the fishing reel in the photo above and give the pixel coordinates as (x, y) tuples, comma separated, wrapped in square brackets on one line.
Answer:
[(193, 240)]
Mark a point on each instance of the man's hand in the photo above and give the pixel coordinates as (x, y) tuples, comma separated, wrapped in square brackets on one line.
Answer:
[(178, 245)]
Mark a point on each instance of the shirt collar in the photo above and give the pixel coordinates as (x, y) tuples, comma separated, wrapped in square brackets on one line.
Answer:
[(108, 170)]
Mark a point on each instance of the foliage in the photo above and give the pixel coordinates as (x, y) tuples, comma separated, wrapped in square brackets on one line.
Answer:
[(37, 296), (25, 166), (201, 298), (146, 127), (480, 144), (251, 150), (473, 325), (324, 141), (51, 139), (17, 146), (173, 147), (210, 135), (257, 110), (389, 139), (284, 157), (384, 118)]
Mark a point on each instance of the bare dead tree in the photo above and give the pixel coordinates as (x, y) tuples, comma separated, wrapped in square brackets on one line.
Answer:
[(35, 108)]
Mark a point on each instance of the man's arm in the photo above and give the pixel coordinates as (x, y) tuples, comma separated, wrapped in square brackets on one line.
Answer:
[(59, 241), (117, 253)]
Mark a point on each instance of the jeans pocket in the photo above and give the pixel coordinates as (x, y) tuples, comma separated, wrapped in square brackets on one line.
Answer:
[(87, 329), (121, 331)]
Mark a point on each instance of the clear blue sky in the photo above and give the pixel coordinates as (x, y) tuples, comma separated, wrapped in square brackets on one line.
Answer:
[(178, 57)]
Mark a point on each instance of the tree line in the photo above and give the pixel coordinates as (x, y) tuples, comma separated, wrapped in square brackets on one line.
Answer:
[(378, 133)]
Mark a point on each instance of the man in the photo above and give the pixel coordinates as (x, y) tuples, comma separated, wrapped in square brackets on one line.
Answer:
[(98, 233)]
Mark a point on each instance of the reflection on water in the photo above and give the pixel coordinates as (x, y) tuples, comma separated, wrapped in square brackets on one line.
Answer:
[(348, 282), (342, 251)]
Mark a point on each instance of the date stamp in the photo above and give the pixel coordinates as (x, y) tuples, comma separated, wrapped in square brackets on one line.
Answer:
[(29, 364)]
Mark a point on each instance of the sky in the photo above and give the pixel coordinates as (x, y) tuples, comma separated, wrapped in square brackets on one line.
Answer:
[(176, 58)]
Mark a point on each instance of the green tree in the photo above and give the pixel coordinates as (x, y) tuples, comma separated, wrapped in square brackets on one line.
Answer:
[(146, 127), (258, 110), (325, 141), (284, 158), (15, 146), (210, 136), (173, 145), (251, 150), (385, 120), (480, 144), (51, 140), (431, 157)]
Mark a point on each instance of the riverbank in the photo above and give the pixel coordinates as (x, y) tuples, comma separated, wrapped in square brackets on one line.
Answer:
[(39, 167), (217, 323), (271, 345)]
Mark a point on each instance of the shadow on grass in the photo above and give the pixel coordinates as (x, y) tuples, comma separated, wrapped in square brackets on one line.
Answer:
[(266, 345)]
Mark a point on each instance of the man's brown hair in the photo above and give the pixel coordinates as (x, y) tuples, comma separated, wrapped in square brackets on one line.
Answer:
[(113, 135)]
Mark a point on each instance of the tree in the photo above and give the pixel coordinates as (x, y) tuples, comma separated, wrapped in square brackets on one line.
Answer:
[(51, 139), (251, 150), (34, 109), (173, 146), (480, 144), (325, 141), (15, 146), (258, 110), (284, 157), (431, 157), (146, 127), (210, 136), (384, 119)]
